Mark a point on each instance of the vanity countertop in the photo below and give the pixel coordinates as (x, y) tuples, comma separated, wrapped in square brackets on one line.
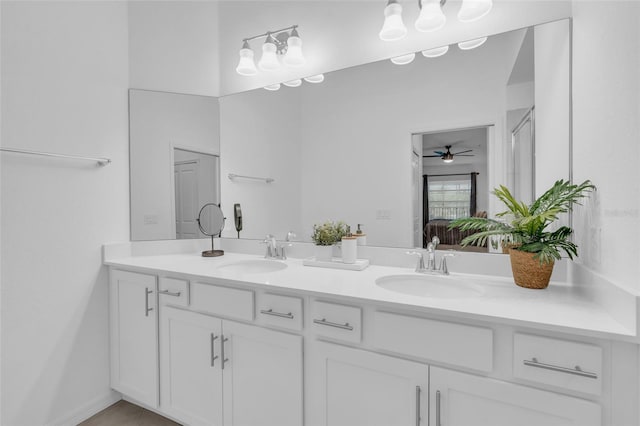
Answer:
[(561, 307)]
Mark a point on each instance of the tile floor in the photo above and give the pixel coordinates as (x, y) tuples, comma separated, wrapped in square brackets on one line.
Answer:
[(123, 413)]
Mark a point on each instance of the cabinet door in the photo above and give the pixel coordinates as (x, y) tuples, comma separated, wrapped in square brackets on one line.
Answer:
[(191, 375), (262, 377), (350, 387), (134, 336), (459, 399)]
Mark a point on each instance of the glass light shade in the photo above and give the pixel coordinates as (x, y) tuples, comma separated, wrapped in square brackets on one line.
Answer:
[(393, 27), (269, 60), (431, 17), (246, 66), (294, 58), (472, 10), (434, 53), (404, 59), (293, 83), (448, 160), (273, 87), (472, 44), (319, 78)]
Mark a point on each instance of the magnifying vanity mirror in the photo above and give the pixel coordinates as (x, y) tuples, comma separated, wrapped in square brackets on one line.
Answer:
[(211, 223), (356, 147)]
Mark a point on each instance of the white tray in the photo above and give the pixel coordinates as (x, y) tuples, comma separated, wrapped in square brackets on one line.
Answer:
[(336, 263)]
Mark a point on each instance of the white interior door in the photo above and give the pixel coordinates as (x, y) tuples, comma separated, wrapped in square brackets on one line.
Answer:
[(186, 195)]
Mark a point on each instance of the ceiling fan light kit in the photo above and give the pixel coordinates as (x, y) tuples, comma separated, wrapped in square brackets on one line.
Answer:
[(448, 156)]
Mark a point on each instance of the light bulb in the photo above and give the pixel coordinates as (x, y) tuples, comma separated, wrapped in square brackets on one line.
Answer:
[(434, 53), (318, 78), (293, 83), (472, 44), (294, 58), (269, 60), (393, 27), (272, 87), (246, 66), (431, 17), (404, 59), (472, 10), (448, 160)]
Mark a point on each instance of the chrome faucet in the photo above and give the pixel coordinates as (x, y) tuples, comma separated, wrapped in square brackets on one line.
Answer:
[(275, 250), (430, 266)]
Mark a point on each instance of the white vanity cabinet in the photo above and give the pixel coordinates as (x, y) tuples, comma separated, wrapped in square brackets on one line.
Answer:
[(221, 372), (459, 399), (352, 387), (134, 335)]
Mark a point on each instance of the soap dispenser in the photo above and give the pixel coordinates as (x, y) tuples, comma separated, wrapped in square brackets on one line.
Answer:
[(349, 247), (361, 236)]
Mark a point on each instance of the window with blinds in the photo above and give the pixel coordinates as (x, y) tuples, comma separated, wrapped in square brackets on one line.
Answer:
[(449, 199)]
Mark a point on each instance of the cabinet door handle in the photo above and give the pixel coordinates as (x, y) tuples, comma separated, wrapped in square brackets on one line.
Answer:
[(576, 370), (344, 326), (170, 293), (222, 340), (417, 405), (213, 357), (147, 309), (277, 314), (438, 423)]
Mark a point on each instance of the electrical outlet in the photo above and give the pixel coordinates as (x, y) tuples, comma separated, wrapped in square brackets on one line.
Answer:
[(383, 214)]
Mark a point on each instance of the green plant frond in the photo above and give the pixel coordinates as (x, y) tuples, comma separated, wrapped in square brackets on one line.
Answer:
[(480, 238), (478, 224), (514, 207), (561, 196)]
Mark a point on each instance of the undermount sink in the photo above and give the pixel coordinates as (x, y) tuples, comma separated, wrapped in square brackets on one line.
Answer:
[(254, 266), (444, 287)]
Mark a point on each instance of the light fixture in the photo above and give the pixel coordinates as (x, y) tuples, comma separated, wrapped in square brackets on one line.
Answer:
[(431, 17), (294, 57), (393, 27), (285, 42), (318, 78), (293, 83), (272, 87), (447, 157), (246, 66), (434, 53), (472, 10), (404, 59), (472, 44)]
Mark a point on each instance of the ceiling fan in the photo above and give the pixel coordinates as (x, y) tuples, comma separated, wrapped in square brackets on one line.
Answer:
[(447, 156)]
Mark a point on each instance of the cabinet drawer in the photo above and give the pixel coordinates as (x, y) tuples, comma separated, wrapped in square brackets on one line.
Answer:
[(440, 341), (280, 311), (570, 365), (174, 292), (336, 321), (222, 301)]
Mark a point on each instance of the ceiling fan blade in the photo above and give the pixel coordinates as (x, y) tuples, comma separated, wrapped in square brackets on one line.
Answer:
[(465, 155), (434, 156), (439, 152), (462, 152)]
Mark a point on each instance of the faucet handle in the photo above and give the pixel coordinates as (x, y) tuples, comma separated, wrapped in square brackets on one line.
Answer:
[(443, 263)]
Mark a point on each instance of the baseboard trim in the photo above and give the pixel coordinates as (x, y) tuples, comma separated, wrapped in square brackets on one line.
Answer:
[(89, 409)]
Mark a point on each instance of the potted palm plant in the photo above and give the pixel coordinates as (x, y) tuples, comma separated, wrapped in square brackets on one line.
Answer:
[(533, 246)]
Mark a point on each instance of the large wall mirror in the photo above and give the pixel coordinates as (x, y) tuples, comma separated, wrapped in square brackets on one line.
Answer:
[(369, 144)]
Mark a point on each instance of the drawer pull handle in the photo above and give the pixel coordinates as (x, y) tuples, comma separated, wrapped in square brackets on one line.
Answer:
[(276, 314), (438, 398), (213, 357), (170, 293), (576, 370), (344, 326), (417, 405), (147, 308)]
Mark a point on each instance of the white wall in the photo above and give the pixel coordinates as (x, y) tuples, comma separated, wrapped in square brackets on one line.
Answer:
[(161, 122), (606, 117), (173, 46), (64, 89)]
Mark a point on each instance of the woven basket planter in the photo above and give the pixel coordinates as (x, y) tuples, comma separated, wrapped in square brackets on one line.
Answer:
[(527, 270)]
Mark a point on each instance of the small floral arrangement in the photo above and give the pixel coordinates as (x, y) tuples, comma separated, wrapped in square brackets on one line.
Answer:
[(328, 233)]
